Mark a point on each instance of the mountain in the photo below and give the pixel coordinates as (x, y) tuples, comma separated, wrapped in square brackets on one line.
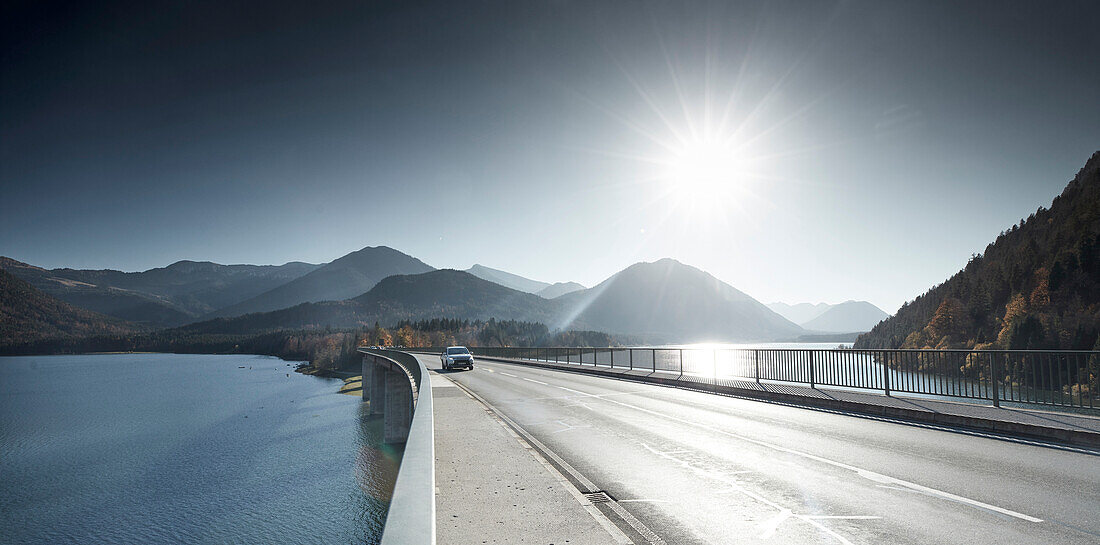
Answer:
[(453, 294), (27, 314), (164, 296), (667, 301), (558, 289), (1037, 286), (443, 293), (799, 313), (344, 278), (849, 316), (507, 279)]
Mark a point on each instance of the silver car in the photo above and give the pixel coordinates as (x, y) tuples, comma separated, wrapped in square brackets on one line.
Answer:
[(457, 356)]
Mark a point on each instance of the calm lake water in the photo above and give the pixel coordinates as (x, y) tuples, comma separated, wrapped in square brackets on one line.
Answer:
[(143, 448)]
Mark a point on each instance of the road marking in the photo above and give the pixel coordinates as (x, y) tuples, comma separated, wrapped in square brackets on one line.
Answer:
[(535, 381), (865, 473), (487, 370), (508, 374)]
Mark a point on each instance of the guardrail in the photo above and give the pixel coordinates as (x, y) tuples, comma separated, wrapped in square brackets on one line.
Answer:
[(411, 515), (1061, 378)]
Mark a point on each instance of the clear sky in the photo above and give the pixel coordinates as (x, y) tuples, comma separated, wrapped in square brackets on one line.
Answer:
[(800, 151)]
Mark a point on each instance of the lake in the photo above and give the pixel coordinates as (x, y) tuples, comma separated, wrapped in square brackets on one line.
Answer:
[(138, 448)]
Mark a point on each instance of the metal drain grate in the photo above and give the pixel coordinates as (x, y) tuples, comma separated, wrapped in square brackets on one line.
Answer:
[(598, 497)]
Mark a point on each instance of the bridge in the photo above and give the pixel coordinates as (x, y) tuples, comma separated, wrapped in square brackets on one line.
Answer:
[(658, 445)]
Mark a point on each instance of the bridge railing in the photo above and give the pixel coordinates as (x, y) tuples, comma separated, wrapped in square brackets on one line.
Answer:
[(411, 514), (1045, 377)]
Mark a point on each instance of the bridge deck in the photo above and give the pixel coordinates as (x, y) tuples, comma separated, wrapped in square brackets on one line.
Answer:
[(694, 468), (492, 489)]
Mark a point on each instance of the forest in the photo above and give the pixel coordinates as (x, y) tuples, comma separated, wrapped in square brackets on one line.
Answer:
[(324, 349), (1037, 286)]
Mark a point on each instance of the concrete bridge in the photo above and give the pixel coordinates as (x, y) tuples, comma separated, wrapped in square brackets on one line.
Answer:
[(525, 449)]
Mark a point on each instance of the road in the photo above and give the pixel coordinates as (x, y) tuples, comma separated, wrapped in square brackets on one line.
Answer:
[(693, 467)]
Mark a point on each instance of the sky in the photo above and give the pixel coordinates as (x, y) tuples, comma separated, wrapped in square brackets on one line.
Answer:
[(800, 151)]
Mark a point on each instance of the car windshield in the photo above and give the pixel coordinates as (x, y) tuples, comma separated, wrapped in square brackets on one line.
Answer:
[(459, 350)]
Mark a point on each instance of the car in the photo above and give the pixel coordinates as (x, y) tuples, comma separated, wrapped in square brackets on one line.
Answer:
[(456, 356)]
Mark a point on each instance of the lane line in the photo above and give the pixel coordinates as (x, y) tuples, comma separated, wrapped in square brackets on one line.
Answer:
[(535, 381), (865, 473), (508, 374)]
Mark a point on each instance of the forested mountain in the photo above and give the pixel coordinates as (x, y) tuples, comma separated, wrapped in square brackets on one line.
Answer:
[(667, 301), (346, 277), (507, 279), (28, 315), (846, 317), (437, 294), (163, 296), (558, 289), (1036, 287), (453, 294), (664, 301)]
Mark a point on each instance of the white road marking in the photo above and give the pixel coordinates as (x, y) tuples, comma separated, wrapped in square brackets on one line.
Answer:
[(487, 370), (865, 473), (769, 526), (535, 381), (508, 374)]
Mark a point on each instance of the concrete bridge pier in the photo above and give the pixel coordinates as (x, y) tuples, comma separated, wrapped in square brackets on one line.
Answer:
[(389, 389)]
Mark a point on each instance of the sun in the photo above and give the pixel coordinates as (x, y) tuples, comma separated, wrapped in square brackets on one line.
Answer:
[(705, 170)]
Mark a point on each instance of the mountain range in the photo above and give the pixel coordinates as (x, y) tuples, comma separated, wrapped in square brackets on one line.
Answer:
[(846, 317), (519, 283), (380, 284)]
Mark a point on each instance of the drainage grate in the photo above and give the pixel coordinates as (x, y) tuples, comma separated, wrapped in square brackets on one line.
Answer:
[(599, 497)]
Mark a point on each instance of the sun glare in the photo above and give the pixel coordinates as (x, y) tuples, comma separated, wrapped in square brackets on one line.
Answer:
[(705, 170)]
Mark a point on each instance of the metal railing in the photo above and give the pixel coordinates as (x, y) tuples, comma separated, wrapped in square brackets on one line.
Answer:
[(1061, 378)]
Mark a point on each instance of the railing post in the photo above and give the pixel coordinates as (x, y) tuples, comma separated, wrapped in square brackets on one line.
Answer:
[(756, 363), (812, 369), (885, 372), (631, 351), (681, 365), (993, 379), (653, 359)]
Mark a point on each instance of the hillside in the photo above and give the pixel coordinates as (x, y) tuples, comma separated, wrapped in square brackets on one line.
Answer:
[(436, 294), (558, 289), (346, 277), (27, 314), (846, 317), (668, 301), (799, 313), (165, 296), (507, 279), (453, 294), (1036, 287)]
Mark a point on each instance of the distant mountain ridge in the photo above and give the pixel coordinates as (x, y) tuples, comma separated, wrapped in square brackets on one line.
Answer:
[(164, 296), (344, 278), (846, 317), (799, 313), (558, 289), (665, 301)]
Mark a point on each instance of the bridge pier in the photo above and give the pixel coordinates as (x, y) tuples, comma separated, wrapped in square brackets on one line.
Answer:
[(389, 390)]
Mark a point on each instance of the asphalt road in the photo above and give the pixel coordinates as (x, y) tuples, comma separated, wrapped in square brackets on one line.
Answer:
[(699, 468)]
